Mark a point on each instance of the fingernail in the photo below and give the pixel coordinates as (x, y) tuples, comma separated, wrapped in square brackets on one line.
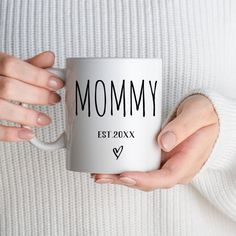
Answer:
[(104, 181), (54, 98), (25, 134), (168, 140), (127, 181), (43, 119), (55, 83)]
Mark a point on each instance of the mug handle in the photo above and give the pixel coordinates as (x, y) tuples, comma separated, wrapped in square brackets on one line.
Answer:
[(60, 142)]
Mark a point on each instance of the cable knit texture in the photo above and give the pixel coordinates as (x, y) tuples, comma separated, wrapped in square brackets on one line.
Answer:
[(196, 40)]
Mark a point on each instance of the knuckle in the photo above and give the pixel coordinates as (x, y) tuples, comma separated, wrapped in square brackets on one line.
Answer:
[(208, 113), (43, 96), (183, 125), (207, 107), (40, 96), (6, 87), (29, 117), (38, 76), (186, 103), (7, 63)]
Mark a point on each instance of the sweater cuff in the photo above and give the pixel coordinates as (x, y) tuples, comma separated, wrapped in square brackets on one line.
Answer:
[(223, 154)]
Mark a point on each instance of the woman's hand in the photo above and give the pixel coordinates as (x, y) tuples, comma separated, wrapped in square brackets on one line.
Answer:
[(186, 142), (26, 82)]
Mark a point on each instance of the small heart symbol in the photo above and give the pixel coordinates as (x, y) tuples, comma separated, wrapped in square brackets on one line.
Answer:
[(118, 151)]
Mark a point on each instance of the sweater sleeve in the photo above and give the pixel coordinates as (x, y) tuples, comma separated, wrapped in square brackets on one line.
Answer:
[(216, 181)]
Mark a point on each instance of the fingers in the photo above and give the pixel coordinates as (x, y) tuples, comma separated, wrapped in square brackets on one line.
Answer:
[(180, 168), (26, 82), (15, 90), (8, 133), (195, 129), (195, 112), (42, 60), (191, 155), (111, 179), (22, 115), (106, 178), (13, 67), (142, 180)]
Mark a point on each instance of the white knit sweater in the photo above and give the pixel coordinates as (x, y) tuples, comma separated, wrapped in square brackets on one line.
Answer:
[(196, 40)]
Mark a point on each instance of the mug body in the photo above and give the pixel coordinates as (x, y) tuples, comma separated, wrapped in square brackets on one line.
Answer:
[(113, 114)]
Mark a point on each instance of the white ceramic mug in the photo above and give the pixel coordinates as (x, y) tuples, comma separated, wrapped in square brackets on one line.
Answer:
[(113, 114)]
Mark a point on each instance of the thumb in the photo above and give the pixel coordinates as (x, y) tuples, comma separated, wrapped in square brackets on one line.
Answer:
[(43, 60), (183, 125)]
